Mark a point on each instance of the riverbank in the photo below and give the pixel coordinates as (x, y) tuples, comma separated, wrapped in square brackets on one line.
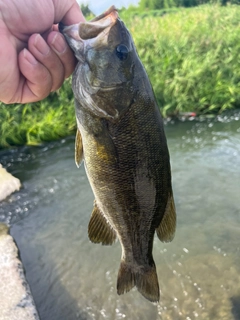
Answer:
[(191, 56)]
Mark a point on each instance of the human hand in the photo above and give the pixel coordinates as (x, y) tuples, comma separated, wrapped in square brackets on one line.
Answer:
[(34, 57)]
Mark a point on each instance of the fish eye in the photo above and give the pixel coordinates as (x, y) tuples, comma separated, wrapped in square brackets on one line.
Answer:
[(122, 52)]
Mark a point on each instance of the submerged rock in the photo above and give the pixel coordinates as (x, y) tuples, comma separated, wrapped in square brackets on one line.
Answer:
[(204, 286), (8, 183), (16, 299)]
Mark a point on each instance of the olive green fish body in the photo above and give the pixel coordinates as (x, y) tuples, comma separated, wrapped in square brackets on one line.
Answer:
[(123, 145)]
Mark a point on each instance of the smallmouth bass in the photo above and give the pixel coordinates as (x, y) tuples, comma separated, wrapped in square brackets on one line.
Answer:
[(121, 140)]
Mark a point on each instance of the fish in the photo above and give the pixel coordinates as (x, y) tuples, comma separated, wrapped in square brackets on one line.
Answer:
[(121, 140)]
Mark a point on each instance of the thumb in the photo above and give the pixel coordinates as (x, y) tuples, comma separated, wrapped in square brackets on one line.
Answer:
[(68, 12)]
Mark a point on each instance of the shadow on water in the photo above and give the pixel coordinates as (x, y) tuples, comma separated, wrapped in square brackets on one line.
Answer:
[(52, 299), (236, 307), (47, 251)]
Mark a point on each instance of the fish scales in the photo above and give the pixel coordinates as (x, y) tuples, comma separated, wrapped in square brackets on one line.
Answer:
[(122, 143)]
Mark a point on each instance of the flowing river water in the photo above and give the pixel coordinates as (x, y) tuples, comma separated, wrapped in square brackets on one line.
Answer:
[(71, 278)]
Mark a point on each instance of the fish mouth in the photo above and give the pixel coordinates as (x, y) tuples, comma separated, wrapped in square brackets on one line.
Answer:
[(89, 34)]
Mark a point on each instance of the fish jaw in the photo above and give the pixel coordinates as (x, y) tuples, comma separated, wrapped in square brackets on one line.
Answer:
[(91, 34), (71, 34)]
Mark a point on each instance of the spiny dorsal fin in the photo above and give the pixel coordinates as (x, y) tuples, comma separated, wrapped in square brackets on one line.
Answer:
[(99, 230), (78, 149), (167, 227)]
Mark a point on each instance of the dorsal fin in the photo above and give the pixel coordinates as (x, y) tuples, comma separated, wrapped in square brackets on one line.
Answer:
[(78, 149), (167, 227), (99, 230)]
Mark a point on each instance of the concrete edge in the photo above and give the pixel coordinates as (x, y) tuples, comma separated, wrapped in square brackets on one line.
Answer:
[(16, 299)]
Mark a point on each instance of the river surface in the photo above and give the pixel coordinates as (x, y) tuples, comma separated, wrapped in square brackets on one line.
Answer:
[(71, 278)]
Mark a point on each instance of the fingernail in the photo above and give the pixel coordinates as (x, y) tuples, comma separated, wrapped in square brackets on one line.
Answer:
[(41, 45), (58, 43), (29, 57)]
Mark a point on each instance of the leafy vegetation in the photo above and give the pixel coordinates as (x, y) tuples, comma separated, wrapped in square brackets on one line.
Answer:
[(163, 4), (191, 56), (86, 11), (32, 123)]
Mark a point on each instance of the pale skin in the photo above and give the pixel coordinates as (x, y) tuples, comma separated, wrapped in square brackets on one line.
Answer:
[(34, 57)]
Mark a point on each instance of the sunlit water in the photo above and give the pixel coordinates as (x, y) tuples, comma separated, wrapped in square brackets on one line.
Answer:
[(71, 278)]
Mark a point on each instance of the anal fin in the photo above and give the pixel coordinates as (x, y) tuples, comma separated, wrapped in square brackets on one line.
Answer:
[(78, 149), (99, 230), (167, 227)]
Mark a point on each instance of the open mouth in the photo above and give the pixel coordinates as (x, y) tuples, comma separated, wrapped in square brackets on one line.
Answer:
[(90, 33), (89, 30)]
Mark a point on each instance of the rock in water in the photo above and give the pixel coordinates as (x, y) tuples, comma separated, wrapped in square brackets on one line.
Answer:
[(8, 183)]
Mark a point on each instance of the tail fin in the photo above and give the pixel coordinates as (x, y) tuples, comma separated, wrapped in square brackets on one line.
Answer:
[(144, 278)]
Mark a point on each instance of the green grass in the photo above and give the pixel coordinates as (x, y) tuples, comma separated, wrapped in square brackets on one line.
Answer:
[(191, 56), (33, 123)]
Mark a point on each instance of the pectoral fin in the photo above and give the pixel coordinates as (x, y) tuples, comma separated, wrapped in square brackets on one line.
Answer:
[(78, 149), (167, 227), (99, 230)]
